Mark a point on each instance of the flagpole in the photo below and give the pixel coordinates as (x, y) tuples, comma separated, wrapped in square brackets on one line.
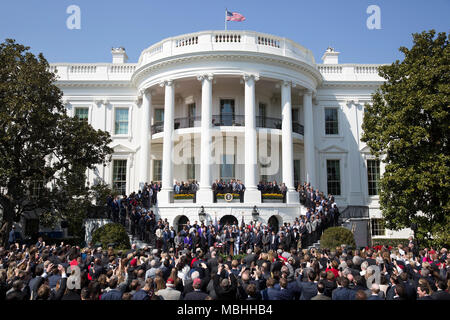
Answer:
[(226, 18)]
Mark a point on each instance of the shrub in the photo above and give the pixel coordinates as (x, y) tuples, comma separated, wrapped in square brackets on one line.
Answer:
[(389, 242), (336, 236), (112, 233)]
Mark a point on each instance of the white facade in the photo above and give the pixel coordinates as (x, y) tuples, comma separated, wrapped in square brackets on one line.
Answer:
[(216, 70)]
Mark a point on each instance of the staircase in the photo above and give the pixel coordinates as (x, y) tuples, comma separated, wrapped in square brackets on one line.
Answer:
[(315, 245), (139, 243)]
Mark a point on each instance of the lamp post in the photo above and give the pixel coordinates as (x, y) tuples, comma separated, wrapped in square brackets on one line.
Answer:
[(202, 214), (255, 214)]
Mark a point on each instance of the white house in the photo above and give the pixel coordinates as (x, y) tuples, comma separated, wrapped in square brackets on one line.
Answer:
[(233, 104)]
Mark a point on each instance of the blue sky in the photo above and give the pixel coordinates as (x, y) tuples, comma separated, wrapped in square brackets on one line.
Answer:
[(137, 24)]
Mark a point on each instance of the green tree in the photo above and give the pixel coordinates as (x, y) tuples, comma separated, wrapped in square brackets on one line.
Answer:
[(407, 126), (40, 144), (335, 237)]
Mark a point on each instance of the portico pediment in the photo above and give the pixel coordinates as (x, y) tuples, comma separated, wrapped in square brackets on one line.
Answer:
[(333, 149), (119, 148)]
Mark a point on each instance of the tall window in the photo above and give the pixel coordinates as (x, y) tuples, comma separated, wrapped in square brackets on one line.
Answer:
[(295, 115), (82, 113), (191, 169), (226, 112), (262, 115), (296, 172), (378, 228), (120, 176), (227, 167), (333, 177), (331, 121), (191, 114), (159, 115), (121, 121), (157, 170), (373, 177)]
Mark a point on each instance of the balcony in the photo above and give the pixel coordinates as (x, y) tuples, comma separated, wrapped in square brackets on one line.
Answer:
[(231, 120)]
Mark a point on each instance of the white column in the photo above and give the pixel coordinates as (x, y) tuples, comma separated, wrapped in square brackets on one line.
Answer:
[(308, 139), (144, 172), (204, 194), (252, 194), (166, 193), (101, 114), (287, 143)]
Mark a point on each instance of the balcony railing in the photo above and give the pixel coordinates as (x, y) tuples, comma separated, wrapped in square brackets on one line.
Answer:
[(231, 120)]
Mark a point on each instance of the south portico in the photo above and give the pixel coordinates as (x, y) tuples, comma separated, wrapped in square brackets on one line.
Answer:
[(249, 133)]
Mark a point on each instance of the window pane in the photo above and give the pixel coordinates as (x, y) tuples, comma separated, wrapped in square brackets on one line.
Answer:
[(373, 176), (378, 228), (121, 123), (120, 176), (82, 113), (159, 115), (227, 167), (333, 177), (191, 169), (331, 121), (157, 170)]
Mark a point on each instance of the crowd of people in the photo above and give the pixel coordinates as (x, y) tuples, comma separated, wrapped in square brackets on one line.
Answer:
[(65, 272), (210, 260)]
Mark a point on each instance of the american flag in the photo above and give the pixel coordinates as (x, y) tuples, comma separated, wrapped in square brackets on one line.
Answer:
[(234, 16)]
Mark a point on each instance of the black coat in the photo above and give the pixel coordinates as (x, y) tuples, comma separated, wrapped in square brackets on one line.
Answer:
[(228, 293)]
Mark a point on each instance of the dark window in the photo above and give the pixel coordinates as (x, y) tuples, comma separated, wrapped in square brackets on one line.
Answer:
[(120, 176), (226, 112), (373, 177), (333, 177), (331, 121), (378, 228), (157, 170)]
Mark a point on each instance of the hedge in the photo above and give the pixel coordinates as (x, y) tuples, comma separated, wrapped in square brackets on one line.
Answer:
[(389, 242), (112, 233), (336, 236)]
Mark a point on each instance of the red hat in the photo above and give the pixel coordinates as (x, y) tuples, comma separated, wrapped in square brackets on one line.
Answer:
[(74, 262), (197, 281), (170, 282), (133, 262)]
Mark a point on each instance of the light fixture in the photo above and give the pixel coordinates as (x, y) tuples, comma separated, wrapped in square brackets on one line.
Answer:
[(255, 214), (202, 214)]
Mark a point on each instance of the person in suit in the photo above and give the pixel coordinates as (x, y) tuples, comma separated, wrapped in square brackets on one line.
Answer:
[(274, 241), (226, 288), (197, 294), (266, 240), (375, 291), (116, 290), (441, 293), (342, 292), (270, 293), (320, 292), (423, 292), (309, 288), (285, 293)]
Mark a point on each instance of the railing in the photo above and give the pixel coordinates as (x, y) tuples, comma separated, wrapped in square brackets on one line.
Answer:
[(227, 38), (122, 68), (232, 120), (330, 69), (83, 69), (269, 41), (266, 122), (298, 128), (227, 120)]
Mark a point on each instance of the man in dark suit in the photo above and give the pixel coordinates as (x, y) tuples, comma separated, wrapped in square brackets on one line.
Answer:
[(285, 293), (375, 292), (320, 293), (423, 292), (17, 294), (441, 293), (271, 292), (274, 241), (196, 294), (342, 292), (116, 290), (309, 288)]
